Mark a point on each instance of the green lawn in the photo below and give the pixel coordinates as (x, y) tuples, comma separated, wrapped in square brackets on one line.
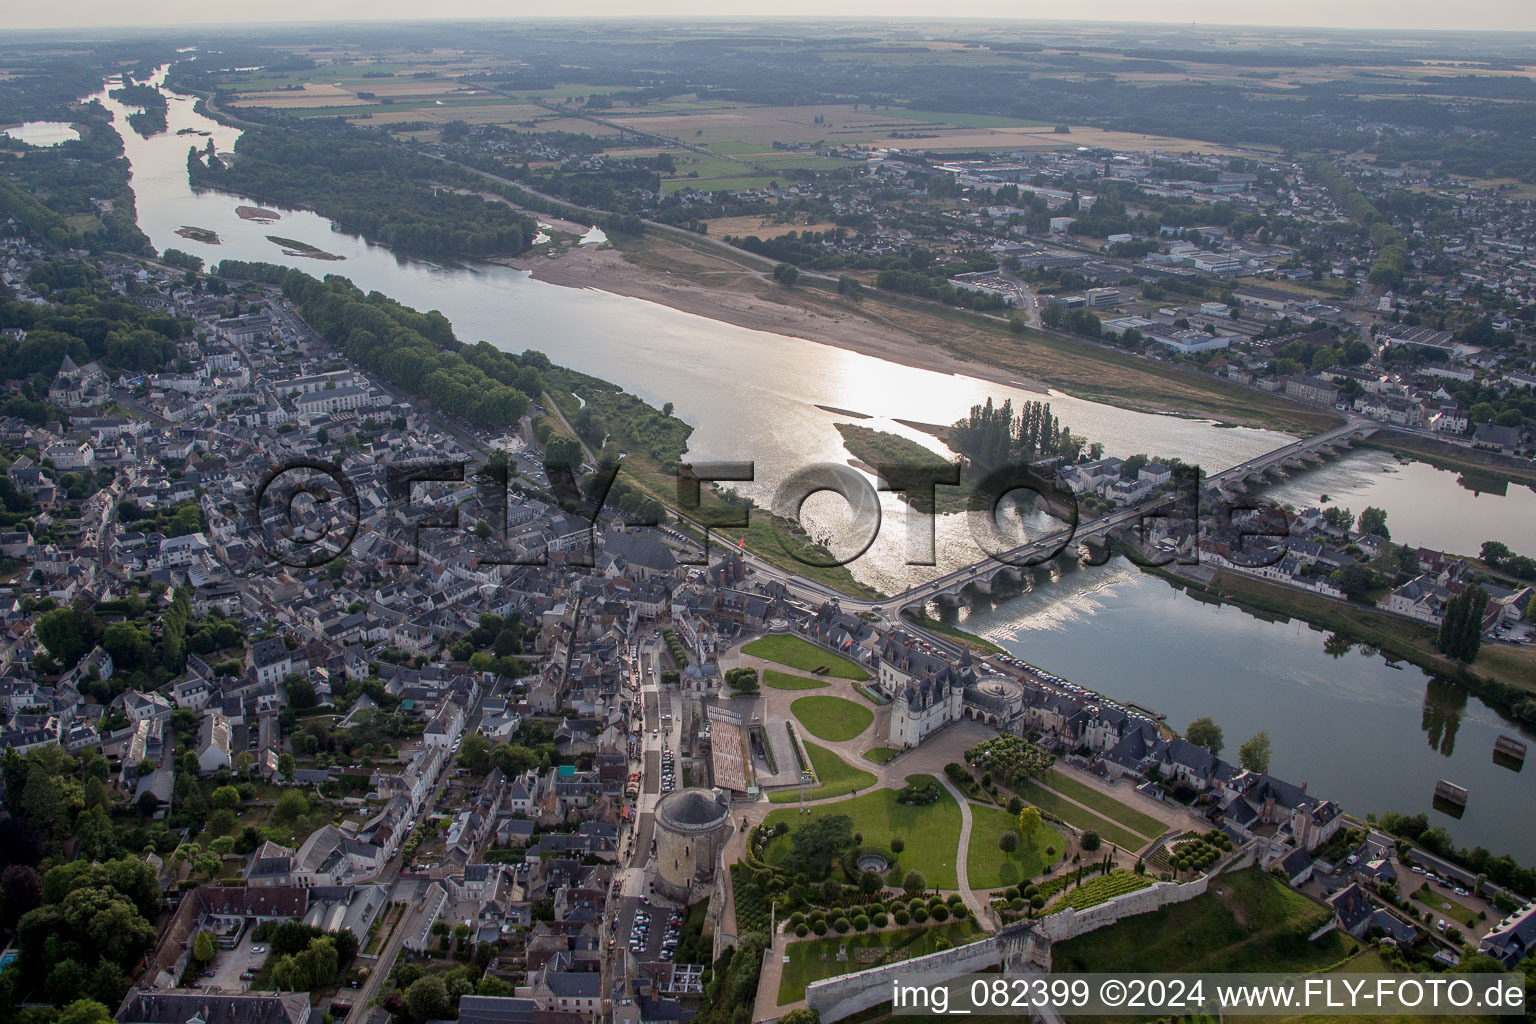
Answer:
[(931, 832), (784, 681), (1059, 807), (806, 965), (803, 655), (1435, 899), (880, 755), (1248, 921), (835, 776), (1105, 804), (988, 867), (832, 718)]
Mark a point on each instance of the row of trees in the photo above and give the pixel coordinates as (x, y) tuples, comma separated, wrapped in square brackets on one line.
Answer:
[(1252, 755), (416, 351), (1461, 629), (991, 435)]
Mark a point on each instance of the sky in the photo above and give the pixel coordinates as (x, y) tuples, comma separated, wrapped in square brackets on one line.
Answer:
[(1381, 15)]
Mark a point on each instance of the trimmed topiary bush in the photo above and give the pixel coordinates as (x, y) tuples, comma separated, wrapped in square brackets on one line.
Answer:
[(860, 923), (802, 931), (920, 914), (820, 927), (901, 917), (840, 925), (879, 920), (941, 913), (959, 912)]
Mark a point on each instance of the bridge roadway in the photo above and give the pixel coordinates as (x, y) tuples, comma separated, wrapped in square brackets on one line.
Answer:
[(1036, 550)]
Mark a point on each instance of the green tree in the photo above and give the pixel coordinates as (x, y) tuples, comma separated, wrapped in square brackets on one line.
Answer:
[(804, 1015), (225, 798), (63, 632), (1008, 841), (814, 845), (1090, 841), (786, 274), (870, 882), (85, 1011), (1254, 755), (1461, 630), (1374, 520), (914, 883), (204, 949), (291, 806), (285, 766), (475, 753), (1029, 823), (427, 998), (1204, 732)]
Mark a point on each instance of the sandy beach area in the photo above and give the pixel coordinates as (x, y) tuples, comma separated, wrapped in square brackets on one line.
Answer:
[(749, 298)]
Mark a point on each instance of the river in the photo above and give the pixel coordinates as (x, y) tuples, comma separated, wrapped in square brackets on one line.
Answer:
[(1371, 736)]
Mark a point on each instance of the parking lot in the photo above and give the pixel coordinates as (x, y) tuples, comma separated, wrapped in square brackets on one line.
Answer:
[(649, 930), (230, 964), (668, 771)]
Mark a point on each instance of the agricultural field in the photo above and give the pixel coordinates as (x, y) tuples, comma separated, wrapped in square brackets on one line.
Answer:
[(832, 718), (931, 831)]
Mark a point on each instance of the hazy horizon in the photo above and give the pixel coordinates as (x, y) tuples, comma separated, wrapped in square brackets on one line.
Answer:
[(1385, 16)]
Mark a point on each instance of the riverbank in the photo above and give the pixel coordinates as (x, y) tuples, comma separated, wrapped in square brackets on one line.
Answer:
[(1475, 462), (735, 288), (925, 621), (1500, 675)]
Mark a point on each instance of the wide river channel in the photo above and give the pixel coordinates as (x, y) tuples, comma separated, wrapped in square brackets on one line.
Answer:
[(1371, 735)]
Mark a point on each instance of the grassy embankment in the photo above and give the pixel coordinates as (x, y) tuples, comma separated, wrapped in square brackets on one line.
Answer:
[(1083, 369)]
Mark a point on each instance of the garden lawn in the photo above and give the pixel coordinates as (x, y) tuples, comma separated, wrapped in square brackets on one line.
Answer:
[(880, 755), (1436, 900), (1105, 804), (988, 867), (1247, 921), (1059, 807), (836, 777), (832, 718), (931, 831), (804, 655), (806, 965), (784, 681)]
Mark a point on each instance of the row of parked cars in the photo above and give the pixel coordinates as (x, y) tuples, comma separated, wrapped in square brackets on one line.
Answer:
[(668, 772)]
